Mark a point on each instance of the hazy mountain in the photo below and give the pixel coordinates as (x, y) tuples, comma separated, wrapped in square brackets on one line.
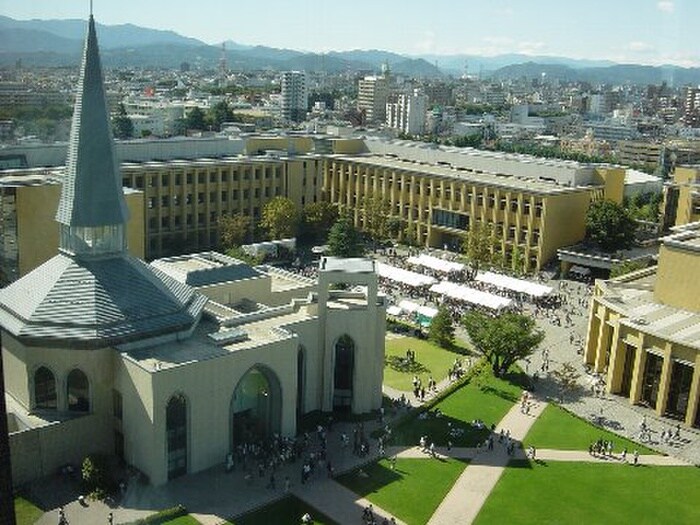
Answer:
[(33, 40), (455, 63)]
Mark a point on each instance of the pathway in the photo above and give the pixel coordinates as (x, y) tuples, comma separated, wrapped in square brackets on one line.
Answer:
[(463, 503)]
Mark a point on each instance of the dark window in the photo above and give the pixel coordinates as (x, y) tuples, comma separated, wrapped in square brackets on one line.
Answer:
[(117, 405), (78, 391), (176, 432), (45, 389)]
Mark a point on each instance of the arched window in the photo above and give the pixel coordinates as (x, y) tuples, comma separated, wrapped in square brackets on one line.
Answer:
[(176, 435), (343, 373), (256, 406), (45, 389), (78, 391), (300, 381)]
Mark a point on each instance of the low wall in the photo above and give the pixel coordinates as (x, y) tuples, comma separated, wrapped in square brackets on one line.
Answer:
[(39, 452)]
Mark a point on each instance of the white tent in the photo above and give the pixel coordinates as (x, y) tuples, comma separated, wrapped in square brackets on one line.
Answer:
[(471, 295), (435, 263), (516, 285), (403, 276), (394, 310), (411, 307)]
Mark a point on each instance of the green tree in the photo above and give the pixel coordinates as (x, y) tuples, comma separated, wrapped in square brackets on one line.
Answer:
[(567, 377), (344, 239), (318, 218), (280, 218), (626, 267), (219, 113), (610, 226), (196, 119), (234, 230), (122, 125), (376, 215), (502, 340), (442, 331), (478, 245)]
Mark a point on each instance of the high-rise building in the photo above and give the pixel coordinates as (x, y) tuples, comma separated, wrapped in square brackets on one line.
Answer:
[(294, 96), (407, 114), (373, 92)]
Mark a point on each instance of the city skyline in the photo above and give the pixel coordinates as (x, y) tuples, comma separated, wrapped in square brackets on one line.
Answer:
[(628, 31)]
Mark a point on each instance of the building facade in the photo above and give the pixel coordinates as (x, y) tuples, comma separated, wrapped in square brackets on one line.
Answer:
[(407, 114), (294, 100), (644, 331), (372, 96)]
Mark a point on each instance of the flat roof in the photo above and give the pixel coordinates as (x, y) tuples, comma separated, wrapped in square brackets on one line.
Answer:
[(464, 174), (348, 265)]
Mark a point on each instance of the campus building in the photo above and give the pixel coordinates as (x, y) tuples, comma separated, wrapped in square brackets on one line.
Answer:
[(170, 365), (644, 330), (682, 197), (534, 206)]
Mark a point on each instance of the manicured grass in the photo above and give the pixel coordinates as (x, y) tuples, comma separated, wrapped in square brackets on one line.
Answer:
[(485, 397), (26, 512), (430, 360), (183, 520), (574, 493), (287, 511), (412, 491), (557, 428)]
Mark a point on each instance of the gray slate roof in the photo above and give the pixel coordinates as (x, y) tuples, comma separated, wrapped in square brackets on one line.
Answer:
[(82, 303), (92, 190)]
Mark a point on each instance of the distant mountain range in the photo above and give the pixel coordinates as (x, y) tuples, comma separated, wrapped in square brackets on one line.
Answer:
[(59, 43)]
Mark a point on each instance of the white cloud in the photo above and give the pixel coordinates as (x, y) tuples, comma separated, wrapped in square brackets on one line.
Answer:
[(530, 48), (426, 43), (667, 6), (639, 47)]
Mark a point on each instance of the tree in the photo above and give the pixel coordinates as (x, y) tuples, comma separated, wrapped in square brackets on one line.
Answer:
[(376, 215), (344, 239), (502, 340), (122, 124), (219, 113), (626, 267), (567, 377), (196, 119), (442, 332), (318, 218), (610, 226), (234, 230), (478, 245), (280, 218)]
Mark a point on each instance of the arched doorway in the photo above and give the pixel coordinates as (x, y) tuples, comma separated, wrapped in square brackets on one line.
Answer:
[(176, 435), (45, 389), (343, 373), (78, 391), (301, 386), (256, 406)]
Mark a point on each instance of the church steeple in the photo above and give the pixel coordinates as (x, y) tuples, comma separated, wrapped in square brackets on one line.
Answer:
[(92, 211)]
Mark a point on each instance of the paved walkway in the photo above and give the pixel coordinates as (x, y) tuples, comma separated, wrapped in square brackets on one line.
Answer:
[(338, 502), (580, 456), (463, 503)]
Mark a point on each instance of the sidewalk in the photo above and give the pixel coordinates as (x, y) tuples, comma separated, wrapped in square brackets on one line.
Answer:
[(464, 501), (580, 456)]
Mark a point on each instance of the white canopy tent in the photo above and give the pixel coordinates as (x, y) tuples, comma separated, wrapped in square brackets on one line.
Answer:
[(435, 263), (403, 276), (411, 307), (394, 310), (471, 295), (516, 285)]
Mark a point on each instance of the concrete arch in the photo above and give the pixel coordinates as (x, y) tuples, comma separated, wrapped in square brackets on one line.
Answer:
[(78, 391), (256, 406)]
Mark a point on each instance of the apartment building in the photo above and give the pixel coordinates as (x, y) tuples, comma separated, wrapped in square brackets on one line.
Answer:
[(373, 92), (407, 114), (294, 98)]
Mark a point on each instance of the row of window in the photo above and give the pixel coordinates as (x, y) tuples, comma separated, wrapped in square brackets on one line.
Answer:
[(46, 393), (176, 200), (213, 177)]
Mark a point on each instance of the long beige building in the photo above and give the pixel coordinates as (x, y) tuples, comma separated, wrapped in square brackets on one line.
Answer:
[(644, 330)]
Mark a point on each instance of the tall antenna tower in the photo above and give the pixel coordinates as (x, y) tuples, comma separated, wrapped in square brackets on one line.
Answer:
[(222, 65)]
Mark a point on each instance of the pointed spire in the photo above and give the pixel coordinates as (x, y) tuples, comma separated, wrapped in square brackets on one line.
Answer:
[(92, 193)]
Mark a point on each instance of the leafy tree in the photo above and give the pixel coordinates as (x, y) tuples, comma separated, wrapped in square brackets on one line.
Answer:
[(626, 267), (219, 113), (442, 331), (234, 229), (567, 377), (503, 340), (318, 218), (610, 226), (344, 239), (478, 245), (195, 119), (122, 125), (280, 218), (376, 215)]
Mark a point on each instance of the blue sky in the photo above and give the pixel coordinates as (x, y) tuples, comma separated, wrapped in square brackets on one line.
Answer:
[(639, 31)]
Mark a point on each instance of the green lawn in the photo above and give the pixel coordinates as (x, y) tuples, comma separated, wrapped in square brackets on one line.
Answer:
[(557, 428), (430, 360), (287, 511), (26, 512), (487, 398), (412, 491), (183, 520), (574, 493)]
